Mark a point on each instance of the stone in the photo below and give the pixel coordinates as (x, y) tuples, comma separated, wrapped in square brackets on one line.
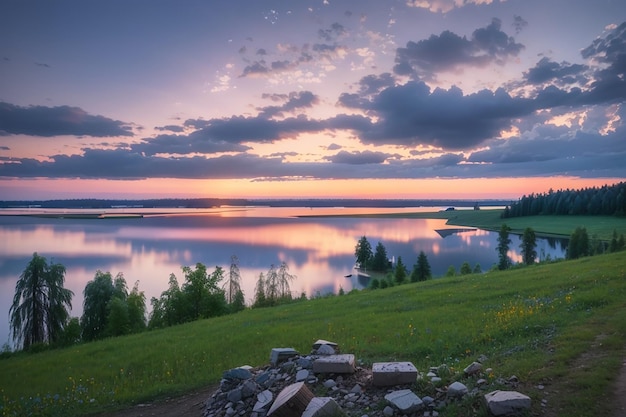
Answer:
[(322, 342), (473, 368), (457, 390), (264, 399), (248, 389), (393, 373), (237, 373), (435, 379), (302, 375), (280, 354), (503, 403), (322, 407), (330, 383), (334, 364), (388, 411), (234, 395), (405, 400), (325, 350)]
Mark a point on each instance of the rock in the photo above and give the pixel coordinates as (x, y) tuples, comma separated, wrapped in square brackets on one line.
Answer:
[(457, 390), (431, 374), (302, 375), (334, 364), (248, 389), (405, 400), (234, 395), (503, 403), (388, 411), (264, 399), (481, 381), (322, 407), (322, 342), (357, 389), (435, 379), (330, 383), (325, 350), (291, 401), (473, 368), (280, 354), (237, 373), (393, 373)]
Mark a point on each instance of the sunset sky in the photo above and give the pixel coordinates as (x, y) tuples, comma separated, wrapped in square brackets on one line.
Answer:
[(296, 99)]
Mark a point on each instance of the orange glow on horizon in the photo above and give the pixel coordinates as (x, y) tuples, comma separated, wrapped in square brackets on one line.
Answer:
[(432, 188)]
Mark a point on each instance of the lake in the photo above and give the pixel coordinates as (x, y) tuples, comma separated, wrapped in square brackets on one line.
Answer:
[(318, 250)]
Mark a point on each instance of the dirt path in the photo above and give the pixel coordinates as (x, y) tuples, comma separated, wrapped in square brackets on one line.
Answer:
[(187, 405), (619, 392)]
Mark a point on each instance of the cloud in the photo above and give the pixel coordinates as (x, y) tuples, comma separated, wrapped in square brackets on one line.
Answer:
[(444, 6), (359, 158), (170, 128), (451, 52), (547, 71), (293, 101), (57, 121)]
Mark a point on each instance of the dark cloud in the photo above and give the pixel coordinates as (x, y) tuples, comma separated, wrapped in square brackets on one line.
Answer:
[(519, 24), (560, 74), (42, 64), (56, 121), (411, 115), (450, 52), (359, 158), (293, 101), (4, 148), (261, 52), (170, 128), (334, 147), (196, 142), (335, 31)]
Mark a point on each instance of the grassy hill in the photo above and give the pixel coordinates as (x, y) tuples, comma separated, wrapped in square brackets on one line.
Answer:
[(561, 325)]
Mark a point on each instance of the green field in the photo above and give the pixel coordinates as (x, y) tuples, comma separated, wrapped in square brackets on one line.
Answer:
[(601, 227), (536, 322)]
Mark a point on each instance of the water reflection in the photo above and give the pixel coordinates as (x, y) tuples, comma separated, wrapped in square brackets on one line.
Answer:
[(319, 251)]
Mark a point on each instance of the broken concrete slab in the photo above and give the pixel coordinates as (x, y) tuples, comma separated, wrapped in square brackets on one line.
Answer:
[(405, 400), (504, 403), (281, 354), (393, 373), (334, 364), (323, 407)]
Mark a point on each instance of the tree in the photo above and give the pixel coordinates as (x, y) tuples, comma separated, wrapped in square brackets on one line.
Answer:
[(233, 284), (451, 271), (477, 269), (97, 296), (503, 247), (40, 308), (260, 300), (363, 253), (380, 262), (421, 270), (284, 278), (136, 302), (466, 269), (578, 244), (529, 246), (400, 272)]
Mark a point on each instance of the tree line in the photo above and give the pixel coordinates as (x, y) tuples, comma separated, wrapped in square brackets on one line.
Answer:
[(40, 312), (608, 200)]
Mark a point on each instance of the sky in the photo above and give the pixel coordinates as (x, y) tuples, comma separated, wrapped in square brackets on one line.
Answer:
[(310, 98)]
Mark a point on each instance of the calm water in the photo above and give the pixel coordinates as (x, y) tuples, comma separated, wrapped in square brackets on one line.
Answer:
[(319, 251)]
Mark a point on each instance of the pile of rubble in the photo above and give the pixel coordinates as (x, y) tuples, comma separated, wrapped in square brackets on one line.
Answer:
[(328, 383)]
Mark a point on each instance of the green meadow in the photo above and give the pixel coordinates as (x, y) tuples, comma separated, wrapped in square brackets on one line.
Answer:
[(561, 325)]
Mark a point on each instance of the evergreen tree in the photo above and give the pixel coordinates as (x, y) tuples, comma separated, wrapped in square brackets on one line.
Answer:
[(400, 272), (477, 269), (260, 300), (503, 247), (421, 270), (466, 269), (380, 262), (363, 253), (529, 246), (451, 271), (233, 284)]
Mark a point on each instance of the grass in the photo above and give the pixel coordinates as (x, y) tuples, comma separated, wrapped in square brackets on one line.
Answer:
[(562, 325), (600, 226)]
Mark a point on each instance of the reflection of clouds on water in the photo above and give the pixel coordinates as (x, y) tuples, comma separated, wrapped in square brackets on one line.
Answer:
[(319, 251)]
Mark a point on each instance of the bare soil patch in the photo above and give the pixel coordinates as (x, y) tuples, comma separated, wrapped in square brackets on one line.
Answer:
[(187, 405)]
